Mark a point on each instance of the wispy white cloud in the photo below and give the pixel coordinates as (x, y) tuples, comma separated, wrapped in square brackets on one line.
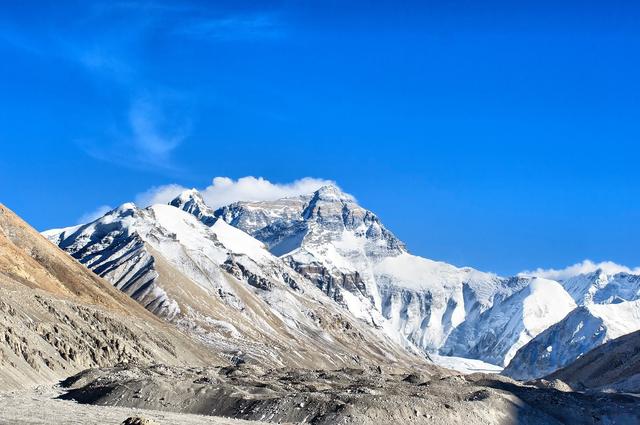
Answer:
[(224, 190), (153, 121), (95, 214), (156, 124), (586, 266), (153, 132)]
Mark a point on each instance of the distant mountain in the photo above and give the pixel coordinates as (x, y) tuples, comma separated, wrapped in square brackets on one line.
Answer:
[(609, 307), (582, 330), (224, 287), (600, 287), (497, 333), (59, 318)]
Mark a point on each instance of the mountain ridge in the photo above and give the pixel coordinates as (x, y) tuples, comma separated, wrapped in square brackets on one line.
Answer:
[(58, 317), (345, 252), (222, 286)]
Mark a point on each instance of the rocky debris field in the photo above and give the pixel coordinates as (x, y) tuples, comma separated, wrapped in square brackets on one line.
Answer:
[(362, 396)]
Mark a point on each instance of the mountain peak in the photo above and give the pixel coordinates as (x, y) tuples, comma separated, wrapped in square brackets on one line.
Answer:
[(331, 192), (124, 210), (191, 201), (188, 195)]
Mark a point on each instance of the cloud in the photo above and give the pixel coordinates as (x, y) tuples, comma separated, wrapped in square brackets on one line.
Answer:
[(224, 190), (140, 119), (153, 133), (95, 214), (158, 195), (586, 266), (152, 118), (156, 124)]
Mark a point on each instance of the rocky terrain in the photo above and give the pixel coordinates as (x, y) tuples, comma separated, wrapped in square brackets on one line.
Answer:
[(57, 318), (42, 406), (614, 366), (358, 396)]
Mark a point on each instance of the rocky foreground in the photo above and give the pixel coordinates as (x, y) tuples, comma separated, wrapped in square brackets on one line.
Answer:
[(347, 396), (41, 406)]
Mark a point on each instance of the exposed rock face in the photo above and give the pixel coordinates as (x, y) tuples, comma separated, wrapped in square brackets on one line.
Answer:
[(56, 317), (222, 286), (238, 270), (138, 420), (192, 202), (331, 284)]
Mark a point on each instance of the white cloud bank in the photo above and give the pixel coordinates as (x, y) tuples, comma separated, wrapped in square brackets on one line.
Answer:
[(586, 266), (224, 190)]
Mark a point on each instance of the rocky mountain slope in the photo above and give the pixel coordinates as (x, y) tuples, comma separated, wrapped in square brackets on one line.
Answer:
[(613, 366), (582, 330), (347, 252), (57, 318), (222, 286)]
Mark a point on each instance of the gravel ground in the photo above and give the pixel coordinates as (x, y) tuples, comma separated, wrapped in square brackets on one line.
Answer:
[(40, 406), (349, 396)]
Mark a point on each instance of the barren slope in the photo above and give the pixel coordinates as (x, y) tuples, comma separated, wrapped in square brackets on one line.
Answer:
[(614, 365), (57, 317)]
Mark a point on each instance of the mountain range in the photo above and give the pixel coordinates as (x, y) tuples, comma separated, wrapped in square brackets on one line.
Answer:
[(278, 280)]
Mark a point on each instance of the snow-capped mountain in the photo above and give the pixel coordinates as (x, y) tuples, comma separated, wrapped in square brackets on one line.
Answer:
[(603, 288), (584, 329), (221, 285), (347, 252), (252, 274), (609, 307), (497, 333)]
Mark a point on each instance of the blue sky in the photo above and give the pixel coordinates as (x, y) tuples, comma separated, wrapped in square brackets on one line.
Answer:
[(497, 136)]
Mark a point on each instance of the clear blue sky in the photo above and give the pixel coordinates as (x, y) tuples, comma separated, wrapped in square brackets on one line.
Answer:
[(497, 136)]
